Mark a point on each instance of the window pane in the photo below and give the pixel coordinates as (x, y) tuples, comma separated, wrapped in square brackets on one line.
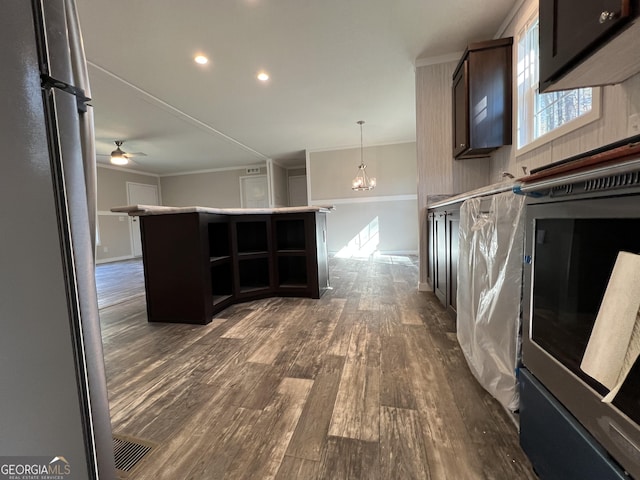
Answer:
[(539, 114)]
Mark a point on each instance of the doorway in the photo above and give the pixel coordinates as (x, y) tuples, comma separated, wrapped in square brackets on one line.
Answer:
[(297, 190), (254, 192), (139, 194)]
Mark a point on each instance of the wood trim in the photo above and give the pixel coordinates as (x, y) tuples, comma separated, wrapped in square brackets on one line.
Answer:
[(609, 157)]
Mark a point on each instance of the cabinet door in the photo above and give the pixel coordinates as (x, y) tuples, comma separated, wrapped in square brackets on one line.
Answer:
[(453, 228), (431, 255), (461, 110), (440, 248), (481, 96), (490, 78), (570, 29)]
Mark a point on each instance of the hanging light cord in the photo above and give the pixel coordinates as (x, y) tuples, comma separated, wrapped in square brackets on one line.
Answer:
[(360, 122)]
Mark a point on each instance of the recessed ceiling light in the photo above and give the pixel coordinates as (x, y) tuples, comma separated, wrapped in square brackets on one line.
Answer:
[(263, 76), (201, 59)]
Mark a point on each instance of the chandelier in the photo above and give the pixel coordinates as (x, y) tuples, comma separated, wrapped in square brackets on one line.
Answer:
[(362, 181)]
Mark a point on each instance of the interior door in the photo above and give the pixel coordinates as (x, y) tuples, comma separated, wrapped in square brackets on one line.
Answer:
[(254, 191), (139, 194), (297, 190)]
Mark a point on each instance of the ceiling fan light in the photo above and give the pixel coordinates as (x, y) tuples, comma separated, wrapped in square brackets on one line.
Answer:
[(118, 157), (119, 160)]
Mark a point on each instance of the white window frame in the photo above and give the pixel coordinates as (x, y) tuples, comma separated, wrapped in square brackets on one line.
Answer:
[(562, 130)]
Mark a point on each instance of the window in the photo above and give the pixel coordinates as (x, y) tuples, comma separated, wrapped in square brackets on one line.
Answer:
[(541, 114)]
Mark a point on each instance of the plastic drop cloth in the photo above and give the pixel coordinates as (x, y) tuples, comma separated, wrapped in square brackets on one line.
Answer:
[(489, 291)]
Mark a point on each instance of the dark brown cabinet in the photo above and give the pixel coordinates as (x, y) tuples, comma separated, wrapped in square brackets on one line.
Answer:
[(481, 95), (196, 264), (220, 264), (253, 263), (301, 262), (453, 241), (431, 258), (460, 92), (571, 31), (443, 231)]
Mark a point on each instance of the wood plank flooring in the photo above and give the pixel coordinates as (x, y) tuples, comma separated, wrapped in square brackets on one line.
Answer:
[(366, 383)]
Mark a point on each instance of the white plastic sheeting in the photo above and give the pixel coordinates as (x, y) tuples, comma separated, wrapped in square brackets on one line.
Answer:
[(489, 291)]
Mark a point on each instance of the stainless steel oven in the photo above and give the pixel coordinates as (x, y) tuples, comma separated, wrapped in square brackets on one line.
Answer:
[(573, 236)]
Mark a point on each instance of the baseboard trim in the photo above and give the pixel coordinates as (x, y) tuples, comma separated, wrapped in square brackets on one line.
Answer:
[(114, 259), (424, 287)]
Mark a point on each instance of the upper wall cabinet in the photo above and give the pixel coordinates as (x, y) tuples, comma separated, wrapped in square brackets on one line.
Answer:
[(586, 44), (482, 99)]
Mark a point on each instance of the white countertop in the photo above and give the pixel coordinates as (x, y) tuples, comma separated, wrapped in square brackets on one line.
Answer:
[(504, 186), (141, 210)]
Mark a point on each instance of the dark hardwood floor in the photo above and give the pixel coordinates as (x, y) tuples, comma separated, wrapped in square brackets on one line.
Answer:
[(366, 383)]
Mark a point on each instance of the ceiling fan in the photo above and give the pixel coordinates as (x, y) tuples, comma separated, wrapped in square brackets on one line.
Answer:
[(120, 157)]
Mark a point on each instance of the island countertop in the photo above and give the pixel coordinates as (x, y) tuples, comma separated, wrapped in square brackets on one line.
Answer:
[(142, 210)]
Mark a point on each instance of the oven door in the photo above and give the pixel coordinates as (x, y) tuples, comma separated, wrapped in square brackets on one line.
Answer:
[(570, 250)]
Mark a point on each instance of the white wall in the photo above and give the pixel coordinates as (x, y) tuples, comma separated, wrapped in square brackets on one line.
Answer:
[(114, 229), (216, 189), (438, 172), (388, 213), (279, 189)]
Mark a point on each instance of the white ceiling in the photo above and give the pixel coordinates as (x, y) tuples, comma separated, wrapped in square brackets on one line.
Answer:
[(331, 62)]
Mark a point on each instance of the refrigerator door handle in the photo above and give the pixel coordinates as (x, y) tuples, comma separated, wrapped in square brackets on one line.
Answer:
[(87, 136), (81, 98)]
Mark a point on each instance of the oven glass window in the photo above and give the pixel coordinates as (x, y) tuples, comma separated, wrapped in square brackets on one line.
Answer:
[(573, 261)]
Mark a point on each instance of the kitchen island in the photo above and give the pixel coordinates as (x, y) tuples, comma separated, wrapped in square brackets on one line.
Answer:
[(198, 261)]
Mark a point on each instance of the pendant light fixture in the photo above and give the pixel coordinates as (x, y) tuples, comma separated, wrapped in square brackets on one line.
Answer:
[(362, 181)]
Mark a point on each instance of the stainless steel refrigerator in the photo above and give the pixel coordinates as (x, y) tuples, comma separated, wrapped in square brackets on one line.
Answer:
[(53, 398)]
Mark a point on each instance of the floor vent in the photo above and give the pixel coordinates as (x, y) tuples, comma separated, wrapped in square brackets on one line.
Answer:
[(128, 453)]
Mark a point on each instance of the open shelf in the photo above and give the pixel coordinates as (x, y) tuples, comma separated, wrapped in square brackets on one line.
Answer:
[(218, 299), (251, 255), (253, 274), (252, 236), (221, 282), (290, 235), (292, 271), (219, 240), (223, 258)]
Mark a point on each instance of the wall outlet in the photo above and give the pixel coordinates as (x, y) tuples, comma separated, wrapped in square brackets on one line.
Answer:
[(105, 249), (633, 127), (253, 170), (121, 218)]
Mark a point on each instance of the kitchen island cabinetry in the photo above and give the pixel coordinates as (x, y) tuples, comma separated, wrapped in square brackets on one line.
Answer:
[(251, 246), (197, 263), (301, 259)]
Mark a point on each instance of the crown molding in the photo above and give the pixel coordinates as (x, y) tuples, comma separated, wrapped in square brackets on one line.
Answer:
[(212, 170), (446, 58)]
